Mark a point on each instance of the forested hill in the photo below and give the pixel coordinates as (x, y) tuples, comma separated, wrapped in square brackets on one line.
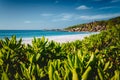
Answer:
[(95, 26)]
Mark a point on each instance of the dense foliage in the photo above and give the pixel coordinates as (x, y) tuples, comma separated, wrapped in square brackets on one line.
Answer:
[(95, 58), (95, 26)]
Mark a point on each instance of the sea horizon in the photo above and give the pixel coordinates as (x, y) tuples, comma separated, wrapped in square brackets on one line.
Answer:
[(36, 33)]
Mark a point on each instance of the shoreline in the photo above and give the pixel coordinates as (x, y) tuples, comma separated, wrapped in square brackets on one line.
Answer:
[(59, 39)]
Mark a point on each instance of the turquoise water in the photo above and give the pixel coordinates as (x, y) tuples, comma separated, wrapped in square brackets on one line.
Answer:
[(35, 33)]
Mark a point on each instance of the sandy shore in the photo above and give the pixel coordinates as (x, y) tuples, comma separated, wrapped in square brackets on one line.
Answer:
[(60, 39)]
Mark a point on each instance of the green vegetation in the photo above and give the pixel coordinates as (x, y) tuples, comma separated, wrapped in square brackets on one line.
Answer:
[(95, 26), (95, 58)]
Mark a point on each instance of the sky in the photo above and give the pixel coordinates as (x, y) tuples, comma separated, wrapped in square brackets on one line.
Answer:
[(54, 14)]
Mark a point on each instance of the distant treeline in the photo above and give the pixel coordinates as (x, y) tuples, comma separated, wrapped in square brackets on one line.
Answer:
[(95, 26)]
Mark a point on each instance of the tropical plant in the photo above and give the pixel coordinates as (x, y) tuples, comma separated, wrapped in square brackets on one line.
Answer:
[(94, 58)]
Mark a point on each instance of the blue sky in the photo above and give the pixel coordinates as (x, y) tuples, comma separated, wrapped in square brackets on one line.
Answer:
[(52, 14)]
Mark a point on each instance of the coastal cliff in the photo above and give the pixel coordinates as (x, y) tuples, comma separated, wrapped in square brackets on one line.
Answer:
[(95, 26)]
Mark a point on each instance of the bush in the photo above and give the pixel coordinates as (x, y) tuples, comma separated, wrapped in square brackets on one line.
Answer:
[(95, 58)]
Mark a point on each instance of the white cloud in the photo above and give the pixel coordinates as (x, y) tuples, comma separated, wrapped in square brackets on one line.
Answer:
[(101, 16), (107, 7), (73, 17), (56, 2), (63, 17), (113, 1), (83, 7), (27, 21), (66, 17), (97, 0), (46, 14)]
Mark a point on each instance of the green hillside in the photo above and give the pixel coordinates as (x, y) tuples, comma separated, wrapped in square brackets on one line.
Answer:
[(95, 26)]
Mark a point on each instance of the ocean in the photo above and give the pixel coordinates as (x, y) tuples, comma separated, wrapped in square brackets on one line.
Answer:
[(35, 33)]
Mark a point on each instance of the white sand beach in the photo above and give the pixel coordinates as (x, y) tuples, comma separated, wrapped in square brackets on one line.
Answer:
[(60, 39)]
